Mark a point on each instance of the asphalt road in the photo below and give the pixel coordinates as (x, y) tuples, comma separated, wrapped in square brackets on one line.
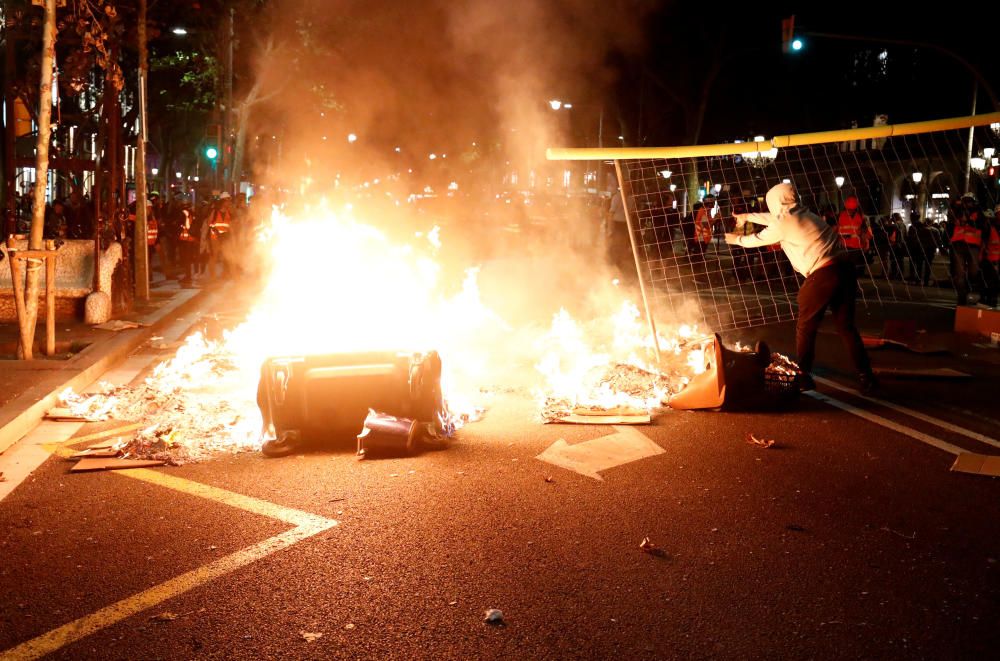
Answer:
[(845, 540)]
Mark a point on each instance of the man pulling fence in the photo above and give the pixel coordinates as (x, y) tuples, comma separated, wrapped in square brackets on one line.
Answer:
[(817, 252)]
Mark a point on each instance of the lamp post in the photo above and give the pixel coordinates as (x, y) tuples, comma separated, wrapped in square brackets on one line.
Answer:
[(840, 183), (921, 195)]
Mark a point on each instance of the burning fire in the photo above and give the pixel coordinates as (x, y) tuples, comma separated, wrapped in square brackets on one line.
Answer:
[(334, 284)]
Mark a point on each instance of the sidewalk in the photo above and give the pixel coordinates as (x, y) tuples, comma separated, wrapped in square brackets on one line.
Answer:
[(29, 388)]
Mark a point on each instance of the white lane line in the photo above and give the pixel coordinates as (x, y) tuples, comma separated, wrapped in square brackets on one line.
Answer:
[(944, 424), (887, 423)]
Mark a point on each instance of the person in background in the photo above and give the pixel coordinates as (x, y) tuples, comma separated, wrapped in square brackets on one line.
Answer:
[(80, 214), (816, 251), (991, 260), (855, 232), (220, 224), (922, 244), (56, 220), (965, 229)]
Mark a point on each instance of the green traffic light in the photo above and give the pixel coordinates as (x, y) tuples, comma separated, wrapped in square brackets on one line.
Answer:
[(797, 44), (211, 153)]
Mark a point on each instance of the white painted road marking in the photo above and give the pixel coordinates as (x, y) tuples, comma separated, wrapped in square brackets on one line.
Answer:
[(887, 423), (589, 458), (944, 424)]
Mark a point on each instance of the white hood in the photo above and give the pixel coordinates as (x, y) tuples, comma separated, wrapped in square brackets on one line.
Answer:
[(781, 199)]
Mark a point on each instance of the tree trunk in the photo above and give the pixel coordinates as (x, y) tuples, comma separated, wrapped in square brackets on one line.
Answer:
[(41, 178)]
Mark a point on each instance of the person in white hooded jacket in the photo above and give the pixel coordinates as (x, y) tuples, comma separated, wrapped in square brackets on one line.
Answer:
[(817, 252)]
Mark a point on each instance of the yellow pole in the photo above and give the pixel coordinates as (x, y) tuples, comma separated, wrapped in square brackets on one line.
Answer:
[(800, 139)]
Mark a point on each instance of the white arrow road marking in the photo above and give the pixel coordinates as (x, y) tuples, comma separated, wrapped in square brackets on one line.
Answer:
[(589, 458)]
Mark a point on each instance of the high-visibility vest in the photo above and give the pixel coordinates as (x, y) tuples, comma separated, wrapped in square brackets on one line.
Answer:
[(152, 231), (966, 230), (152, 227), (849, 227), (993, 247), (220, 221), (703, 225), (186, 228)]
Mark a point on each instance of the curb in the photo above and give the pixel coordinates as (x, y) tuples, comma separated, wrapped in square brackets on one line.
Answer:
[(19, 416)]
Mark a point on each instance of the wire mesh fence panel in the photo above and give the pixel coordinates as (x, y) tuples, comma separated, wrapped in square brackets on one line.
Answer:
[(897, 203)]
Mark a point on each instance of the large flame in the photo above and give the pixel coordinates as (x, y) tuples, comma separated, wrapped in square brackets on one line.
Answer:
[(335, 284)]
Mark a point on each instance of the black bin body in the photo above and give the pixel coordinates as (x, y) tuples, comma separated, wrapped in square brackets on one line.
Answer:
[(327, 397)]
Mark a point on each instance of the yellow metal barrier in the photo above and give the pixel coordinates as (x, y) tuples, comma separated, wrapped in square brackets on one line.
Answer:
[(728, 149)]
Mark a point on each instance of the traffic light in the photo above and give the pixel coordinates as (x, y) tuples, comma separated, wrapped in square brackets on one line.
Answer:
[(211, 153), (789, 42)]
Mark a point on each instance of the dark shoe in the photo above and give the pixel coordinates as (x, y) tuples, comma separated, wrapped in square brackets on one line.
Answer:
[(868, 384), (806, 383)]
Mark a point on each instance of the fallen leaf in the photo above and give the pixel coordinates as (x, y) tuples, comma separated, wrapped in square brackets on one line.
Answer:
[(164, 617), (349, 626), (549, 479), (309, 636), (452, 603), (760, 442)]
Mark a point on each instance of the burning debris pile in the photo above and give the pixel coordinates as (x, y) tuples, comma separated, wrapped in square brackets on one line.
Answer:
[(196, 405)]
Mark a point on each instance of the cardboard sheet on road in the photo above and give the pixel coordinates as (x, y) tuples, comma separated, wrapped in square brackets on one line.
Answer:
[(112, 464), (978, 464), (119, 325)]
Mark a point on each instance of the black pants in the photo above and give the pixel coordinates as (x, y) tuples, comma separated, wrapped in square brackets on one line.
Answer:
[(964, 267), (834, 286)]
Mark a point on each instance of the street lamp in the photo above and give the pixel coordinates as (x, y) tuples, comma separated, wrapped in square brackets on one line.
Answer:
[(155, 171), (978, 163), (839, 181), (352, 138), (917, 177), (988, 153), (179, 31), (555, 104)]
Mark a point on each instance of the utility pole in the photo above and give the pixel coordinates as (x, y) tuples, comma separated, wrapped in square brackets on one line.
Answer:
[(140, 243), (228, 176)]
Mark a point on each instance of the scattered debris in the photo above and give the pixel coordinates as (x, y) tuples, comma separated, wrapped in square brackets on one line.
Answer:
[(164, 617), (643, 390), (349, 627), (647, 546), (452, 603), (604, 419), (760, 442), (119, 325), (549, 479), (794, 527), (977, 464), (309, 636), (494, 616), (97, 453), (899, 534), (63, 414)]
